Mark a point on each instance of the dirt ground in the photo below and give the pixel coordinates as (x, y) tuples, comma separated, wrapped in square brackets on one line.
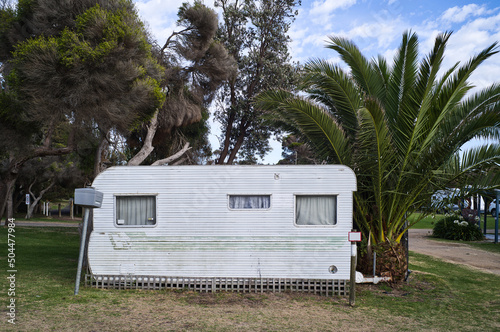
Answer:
[(458, 253)]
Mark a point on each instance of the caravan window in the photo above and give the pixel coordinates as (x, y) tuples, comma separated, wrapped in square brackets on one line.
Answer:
[(136, 210), (239, 202), (318, 210)]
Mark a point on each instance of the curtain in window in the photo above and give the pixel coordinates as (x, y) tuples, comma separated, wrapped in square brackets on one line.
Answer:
[(249, 202), (316, 210), (136, 210)]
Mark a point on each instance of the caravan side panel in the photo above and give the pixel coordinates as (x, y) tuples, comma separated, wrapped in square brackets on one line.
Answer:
[(196, 232)]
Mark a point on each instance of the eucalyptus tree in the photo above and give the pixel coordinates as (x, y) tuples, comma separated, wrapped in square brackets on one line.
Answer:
[(399, 126), (255, 34)]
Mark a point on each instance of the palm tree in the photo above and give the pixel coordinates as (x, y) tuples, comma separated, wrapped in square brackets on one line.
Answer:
[(400, 127)]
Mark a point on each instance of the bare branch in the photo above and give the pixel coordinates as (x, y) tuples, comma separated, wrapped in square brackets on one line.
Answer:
[(37, 199), (171, 36), (172, 157), (180, 161), (148, 147)]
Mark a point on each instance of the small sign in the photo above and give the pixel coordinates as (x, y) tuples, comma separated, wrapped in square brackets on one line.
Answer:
[(354, 236), (27, 199)]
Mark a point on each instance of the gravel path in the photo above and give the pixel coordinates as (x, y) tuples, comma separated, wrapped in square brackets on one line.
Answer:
[(47, 224), (458, 253)]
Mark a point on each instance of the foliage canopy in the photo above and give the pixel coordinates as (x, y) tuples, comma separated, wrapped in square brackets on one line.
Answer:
[(399, 126), (255, 34)]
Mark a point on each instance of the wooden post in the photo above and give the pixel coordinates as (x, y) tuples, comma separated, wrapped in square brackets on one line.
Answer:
[(59, 209), (71, 207)]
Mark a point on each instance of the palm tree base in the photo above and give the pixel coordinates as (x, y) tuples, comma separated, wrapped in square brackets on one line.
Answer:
[(390, 261)]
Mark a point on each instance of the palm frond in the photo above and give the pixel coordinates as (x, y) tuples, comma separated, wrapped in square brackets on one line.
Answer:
[(374, 144), (477, 167), (384, 71), (423, 92), (310, 120), (454, 89), (362, 70), (403, 75), (332, 87)]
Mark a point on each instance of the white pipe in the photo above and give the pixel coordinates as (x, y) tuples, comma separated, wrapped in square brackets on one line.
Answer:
[(360, 279)]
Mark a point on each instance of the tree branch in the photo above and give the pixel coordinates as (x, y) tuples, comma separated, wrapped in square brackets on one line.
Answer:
[(172, 157), (147, 147), (37, 199), (171, 36)]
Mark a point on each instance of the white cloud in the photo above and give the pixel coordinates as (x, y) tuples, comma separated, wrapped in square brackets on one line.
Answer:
[(460, 14), (384, 33), (326, 7), (159, 15), (474, 36), (321, 11)]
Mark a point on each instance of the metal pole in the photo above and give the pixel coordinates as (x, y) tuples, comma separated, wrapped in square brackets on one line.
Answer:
[(496, 218), (478, 208), (485, 215), (82, 249), (352, 282)]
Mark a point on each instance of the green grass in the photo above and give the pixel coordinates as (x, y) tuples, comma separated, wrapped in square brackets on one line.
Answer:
[(490, 246), (439, 297), (428, 221), (20, 217), (442, 295)]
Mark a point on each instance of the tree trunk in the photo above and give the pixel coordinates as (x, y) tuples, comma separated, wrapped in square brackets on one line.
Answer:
[(241, 138), (10, 210), (230, 121), (227, 138), (390, 261), (6, 207), (21, 199), (147, 148), (3, 191), (98, 165), (36, 199)]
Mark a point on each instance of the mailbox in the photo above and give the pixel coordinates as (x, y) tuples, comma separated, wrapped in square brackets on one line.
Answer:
[(88, 197)]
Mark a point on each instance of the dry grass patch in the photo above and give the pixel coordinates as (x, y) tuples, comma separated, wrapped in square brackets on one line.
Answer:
[(189, 311)]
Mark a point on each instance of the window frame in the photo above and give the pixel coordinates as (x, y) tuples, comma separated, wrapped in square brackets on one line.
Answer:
[(228, 199), (295, 195), (115, 209)]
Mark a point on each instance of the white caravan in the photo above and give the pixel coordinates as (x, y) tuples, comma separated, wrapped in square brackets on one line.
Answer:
[(223, 227)]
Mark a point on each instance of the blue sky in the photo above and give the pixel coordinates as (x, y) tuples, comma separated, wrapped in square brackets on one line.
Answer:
[(375, 26)]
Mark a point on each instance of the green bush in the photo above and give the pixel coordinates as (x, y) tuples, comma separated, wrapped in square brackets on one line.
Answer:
[(454, 227)]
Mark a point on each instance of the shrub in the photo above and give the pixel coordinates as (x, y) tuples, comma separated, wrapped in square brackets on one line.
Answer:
[(454, 227), (470, 216)]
